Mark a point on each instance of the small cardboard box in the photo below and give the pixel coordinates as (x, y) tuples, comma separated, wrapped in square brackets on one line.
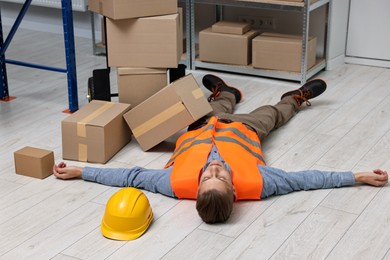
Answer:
[(167, 112), (137, 84), (96, 132), (226, 48), (282, 52), (34, 162), (125, 9), (230, 27), (151, 42)]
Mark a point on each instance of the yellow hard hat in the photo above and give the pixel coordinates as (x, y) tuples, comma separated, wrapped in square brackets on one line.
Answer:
[(128, 215)]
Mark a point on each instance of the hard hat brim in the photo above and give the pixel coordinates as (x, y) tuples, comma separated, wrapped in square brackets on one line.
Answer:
[(110, 233)]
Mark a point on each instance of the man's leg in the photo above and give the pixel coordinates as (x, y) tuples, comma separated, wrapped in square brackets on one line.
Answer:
[(224, 103), (267, 118), (222, 100)]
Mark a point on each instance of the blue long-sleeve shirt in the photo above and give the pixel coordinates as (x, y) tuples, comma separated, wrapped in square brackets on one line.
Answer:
[(275, 181)]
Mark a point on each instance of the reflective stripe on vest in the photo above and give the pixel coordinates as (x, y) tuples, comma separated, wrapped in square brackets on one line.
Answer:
[(237, 145)]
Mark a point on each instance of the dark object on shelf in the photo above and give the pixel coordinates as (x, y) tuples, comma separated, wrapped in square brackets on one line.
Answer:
[(177, 73), (99, 86)]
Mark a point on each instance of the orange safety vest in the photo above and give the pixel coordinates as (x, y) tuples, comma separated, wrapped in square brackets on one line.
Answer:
[(238, 146)]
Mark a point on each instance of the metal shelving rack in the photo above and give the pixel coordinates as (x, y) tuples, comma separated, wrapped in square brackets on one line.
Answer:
[(301, 7), (70, 56), (188, 10)]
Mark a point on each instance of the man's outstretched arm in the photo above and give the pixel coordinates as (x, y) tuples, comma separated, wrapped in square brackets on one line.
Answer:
[(279, 182), (157, 181)]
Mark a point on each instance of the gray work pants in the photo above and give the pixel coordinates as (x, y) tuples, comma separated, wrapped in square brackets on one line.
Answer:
[(263, 119)]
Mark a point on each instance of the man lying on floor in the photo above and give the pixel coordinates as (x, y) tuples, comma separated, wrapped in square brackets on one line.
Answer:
[(219, 160)]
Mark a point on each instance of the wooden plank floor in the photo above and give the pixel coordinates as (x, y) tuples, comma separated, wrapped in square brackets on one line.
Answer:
[(347, 128)]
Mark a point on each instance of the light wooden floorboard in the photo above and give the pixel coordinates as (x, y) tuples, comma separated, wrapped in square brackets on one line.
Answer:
[(203, 244), (368, 237), (317, 235), (265, 235), (347, 128)]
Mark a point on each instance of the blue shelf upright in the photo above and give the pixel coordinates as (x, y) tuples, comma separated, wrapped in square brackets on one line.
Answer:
[(67, 18), (70, 69)]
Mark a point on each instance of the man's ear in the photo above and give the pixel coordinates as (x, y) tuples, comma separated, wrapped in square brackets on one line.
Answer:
[(200, 175), (234, 192), (198, 190)]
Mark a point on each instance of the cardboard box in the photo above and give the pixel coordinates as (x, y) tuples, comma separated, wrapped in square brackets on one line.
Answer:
[(34, 162), (167, 112), (226, 48), (151, 42), (137, 84), (96, 132), (282, 52), (231, 27), (125, 9)]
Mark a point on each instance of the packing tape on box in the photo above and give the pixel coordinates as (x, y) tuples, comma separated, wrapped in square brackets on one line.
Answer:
[(158, 119), (82, 130), (197, 93), (81, 125), (83, 152)]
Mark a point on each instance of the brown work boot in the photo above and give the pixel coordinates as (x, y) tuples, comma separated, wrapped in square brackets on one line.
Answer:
[(309, 90), (217, 85)]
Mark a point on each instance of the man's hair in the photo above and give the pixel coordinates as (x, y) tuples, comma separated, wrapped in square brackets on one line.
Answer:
[(214, 206)]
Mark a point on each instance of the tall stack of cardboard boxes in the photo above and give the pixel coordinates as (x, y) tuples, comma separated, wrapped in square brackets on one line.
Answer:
[(144, 39)]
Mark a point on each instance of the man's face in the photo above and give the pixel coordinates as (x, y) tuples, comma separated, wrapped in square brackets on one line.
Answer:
[(215, 176)]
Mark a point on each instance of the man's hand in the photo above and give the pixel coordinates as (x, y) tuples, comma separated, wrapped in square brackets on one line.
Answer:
[(375, 178), (61, 171)]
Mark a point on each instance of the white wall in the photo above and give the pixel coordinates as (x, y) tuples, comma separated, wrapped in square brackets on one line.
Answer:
[(337, 37), (369, 32)]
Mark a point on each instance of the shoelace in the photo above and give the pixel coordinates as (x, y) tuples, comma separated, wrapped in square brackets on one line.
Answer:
[(303, 97), (216, 91)]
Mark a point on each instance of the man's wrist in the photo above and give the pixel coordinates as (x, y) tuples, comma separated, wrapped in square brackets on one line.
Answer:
[(358, 176)]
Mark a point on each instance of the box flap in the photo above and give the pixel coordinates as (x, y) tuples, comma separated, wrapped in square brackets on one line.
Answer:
[(84, 111), (107, 113), (97, 113), (140, 71), (192, 96), (33, 152)]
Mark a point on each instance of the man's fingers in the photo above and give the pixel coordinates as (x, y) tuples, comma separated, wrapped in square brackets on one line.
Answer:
[(381, 177), (62, 165), (59, 170), (380, 172)]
